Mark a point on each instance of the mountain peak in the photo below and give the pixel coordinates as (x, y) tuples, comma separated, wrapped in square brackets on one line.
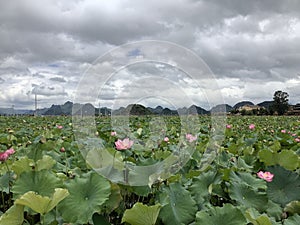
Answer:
[(242, 103)]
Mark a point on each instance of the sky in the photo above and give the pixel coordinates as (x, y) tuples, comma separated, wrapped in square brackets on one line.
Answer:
[(65, 50)]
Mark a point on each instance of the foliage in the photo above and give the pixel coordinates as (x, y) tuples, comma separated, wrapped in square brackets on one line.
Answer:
[(178, 205), (87, 195), (227, 214), (280, 102), (48, 181), (42, 204), (141, 214)]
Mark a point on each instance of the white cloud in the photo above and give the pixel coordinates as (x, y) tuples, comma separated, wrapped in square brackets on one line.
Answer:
[(251, 46), (49, 90)]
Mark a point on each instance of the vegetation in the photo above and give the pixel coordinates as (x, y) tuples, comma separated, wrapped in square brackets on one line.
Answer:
[(280, 102), (254, 178)]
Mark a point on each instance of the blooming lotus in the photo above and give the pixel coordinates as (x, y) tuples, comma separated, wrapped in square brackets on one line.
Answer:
[(297, 139), (228, 126), (5, 155), (166, 139), (10, 151), (283, 131), (190, 137), (267, 176), (123, 144), (113, 133), (59, 126), (251, 126)]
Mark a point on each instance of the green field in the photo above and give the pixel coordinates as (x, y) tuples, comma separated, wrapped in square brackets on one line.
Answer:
[(49, 178)]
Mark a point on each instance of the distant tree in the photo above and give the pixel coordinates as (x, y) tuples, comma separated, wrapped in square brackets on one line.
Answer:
[(271, 111), (263, 111), (254, 111), (280, 102), (234, 111), (243, 112)]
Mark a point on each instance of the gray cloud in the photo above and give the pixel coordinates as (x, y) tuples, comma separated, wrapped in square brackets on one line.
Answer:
[(245, 43), (58, 79), (45, 90), (38, 75)]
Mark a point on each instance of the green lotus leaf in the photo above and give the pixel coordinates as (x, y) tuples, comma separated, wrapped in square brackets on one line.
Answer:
[(4, 182), (24, 164), (246, 190), (248, 179), (87, 195), (99, 158), (242, 164), (288, 159), (114, 199), (268, 157), (47, 162), (42, 204), (227, 214), (13, 216), (293, 220), (141, 214), (293, 207), (41, 182), (255, 218), (274, 210), (246, 196), (178, 205), (285, 186), (275, 147), (262, 220), (160, 155), (201, 184), (141, 190)]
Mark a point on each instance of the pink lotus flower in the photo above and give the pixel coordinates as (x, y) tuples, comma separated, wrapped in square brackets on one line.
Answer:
[(228, 126), (10, 151), (267, 176), (4, 155), (283, 131), (59, 126), (294, 135), (297, 139), (166, 139), (113, 133), (190, 137), (251, 126), (123, 144), (62, 149)]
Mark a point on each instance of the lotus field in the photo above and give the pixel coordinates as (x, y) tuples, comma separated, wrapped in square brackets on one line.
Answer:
[(45, 177)]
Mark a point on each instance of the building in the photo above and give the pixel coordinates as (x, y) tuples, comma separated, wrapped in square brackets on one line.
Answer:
[(294, 109), (249, 107)]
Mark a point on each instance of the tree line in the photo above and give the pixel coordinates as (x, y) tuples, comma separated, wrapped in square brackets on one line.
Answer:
[(279, 106)]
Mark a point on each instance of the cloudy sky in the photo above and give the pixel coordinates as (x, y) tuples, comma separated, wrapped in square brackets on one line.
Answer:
[(251, 47)]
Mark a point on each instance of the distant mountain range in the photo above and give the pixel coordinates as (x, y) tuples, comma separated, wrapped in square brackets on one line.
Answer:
[(132, 109)]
